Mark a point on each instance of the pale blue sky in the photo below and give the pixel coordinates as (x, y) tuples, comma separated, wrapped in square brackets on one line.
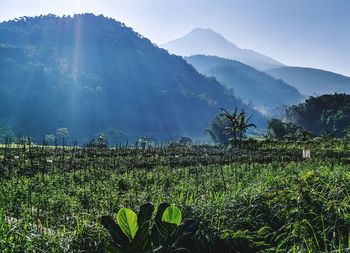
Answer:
[(314, 33)]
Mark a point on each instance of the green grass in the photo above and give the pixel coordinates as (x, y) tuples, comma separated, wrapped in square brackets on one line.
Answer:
[(245, 201)]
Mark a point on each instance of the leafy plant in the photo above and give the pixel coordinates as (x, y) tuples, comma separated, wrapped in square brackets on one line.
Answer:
[(133, 233)]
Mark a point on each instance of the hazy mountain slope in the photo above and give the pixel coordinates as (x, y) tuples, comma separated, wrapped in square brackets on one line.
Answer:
[(91, 73), (247, 83), (208, 42), (311, 81)]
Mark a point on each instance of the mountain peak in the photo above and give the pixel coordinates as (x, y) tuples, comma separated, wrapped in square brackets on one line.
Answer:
[(207, 35), (200, 30), (206, 41)]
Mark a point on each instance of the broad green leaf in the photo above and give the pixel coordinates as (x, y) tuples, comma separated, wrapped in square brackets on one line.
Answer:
[(142, 241), (160, 211), (172, 215), (145, 214), (115, 231), (127, 220), (159, 230)]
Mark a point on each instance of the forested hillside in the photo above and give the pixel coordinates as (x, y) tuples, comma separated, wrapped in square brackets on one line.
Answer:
[(254, 86), (325, 115), (90, 73)]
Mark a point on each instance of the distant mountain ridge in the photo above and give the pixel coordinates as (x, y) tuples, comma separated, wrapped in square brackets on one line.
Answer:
[(90, 73), (264, 91), (208, 42), (311, 81)]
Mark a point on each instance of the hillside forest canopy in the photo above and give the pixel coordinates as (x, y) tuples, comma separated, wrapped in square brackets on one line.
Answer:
[(93, 74), (323, 115)]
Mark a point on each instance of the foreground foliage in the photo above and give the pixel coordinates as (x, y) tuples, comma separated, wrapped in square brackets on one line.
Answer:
[(265, 199), (133, 232)]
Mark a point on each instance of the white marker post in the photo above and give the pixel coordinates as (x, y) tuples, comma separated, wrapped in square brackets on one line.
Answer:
[(306, 154)]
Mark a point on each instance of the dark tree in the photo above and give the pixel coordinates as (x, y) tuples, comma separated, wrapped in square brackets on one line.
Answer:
[(323, 115)]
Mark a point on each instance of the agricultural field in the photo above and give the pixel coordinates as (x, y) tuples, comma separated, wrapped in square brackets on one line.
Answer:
[(263, 197)]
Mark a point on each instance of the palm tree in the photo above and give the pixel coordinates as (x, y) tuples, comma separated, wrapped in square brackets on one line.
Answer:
[(243, 125), (227, 127), (239, 124), (234, 123)]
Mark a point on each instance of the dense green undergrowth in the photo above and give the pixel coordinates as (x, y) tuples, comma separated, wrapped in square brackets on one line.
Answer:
[(53, 200)]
